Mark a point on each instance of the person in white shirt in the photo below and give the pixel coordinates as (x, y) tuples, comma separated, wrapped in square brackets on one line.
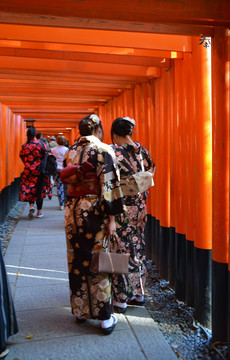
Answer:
[(59, 152)]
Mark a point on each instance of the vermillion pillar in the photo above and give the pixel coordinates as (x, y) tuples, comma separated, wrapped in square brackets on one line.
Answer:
[(201, 62), (172, 238), (150, 126), (158, 172), (189, 91), (220, 194), (164, 128), (180, 239)]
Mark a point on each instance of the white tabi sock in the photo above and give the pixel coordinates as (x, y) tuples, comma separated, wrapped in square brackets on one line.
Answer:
[(120, 304), (105, 324), (140, 298)]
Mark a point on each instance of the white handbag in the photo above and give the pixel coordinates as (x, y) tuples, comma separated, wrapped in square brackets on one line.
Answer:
[(137, 183)]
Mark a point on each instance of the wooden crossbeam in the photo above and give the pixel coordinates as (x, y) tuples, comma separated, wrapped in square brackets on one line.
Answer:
[(8, 62), (111, 50), (96, 37), (86, 57), (87, 23), (198, 12)]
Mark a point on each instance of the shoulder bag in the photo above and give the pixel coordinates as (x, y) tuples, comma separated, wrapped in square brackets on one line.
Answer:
[(49, 164)]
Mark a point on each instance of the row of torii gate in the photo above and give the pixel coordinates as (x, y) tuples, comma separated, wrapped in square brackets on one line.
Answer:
[(164, 63)]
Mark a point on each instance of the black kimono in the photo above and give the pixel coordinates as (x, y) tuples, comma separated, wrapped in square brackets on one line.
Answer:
[(86, 221)]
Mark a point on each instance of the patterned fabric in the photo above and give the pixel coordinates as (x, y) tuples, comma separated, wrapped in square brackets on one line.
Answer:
[(33, 185), (59, 152), (131, 225), (8, 319), (62, 190), (86, 221)]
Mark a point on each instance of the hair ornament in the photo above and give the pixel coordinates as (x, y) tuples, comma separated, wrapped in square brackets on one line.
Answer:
[(132, 121), (95, 119)]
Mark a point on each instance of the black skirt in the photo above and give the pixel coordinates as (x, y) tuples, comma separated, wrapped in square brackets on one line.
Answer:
[(8, 321)]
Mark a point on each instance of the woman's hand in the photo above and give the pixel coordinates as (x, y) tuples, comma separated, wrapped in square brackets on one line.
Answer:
[(111, 225)]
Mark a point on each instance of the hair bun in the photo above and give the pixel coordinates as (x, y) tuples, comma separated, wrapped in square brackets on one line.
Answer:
[(86, 126), (122, 127)]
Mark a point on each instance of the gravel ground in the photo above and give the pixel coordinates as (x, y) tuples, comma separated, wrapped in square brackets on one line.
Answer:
[(188, 339), (8, 226)]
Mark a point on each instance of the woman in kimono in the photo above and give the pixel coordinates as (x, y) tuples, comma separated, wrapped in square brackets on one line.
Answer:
[(94, 199), (34, 185), (136, 172), (8, 321)]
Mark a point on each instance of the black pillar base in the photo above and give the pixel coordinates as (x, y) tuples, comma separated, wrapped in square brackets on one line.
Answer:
[(203, 286), (153, 240), (228, 316), (163, 252), (157, 240), (219, 301), (8, 197), (172, 257), (181, 267), (190, 296)]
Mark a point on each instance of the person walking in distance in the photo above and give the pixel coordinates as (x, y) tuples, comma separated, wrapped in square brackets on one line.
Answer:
[(34, 185), (52, 143), (59, 152)]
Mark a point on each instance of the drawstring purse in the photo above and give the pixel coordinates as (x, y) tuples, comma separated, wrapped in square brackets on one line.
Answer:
[(137, 183), (108, 262)]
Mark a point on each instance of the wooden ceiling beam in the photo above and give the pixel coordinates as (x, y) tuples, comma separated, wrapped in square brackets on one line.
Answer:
[(43, 109), (112, 50), (41, 127), (58, 117), (68, 66), (201, 12), (96, 37), (57, 126), (58, 121), (58, 92), (45, 84), (39, 107), (88, 57), (87, 23), (55, 100), (70, 76)]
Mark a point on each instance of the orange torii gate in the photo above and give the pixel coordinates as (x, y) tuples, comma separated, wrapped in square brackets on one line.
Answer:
[(166, 66)]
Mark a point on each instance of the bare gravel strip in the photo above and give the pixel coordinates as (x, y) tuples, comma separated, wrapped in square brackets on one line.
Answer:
[(187, 337)]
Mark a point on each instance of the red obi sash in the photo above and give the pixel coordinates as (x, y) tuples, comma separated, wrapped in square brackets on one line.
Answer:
[(82, 180)]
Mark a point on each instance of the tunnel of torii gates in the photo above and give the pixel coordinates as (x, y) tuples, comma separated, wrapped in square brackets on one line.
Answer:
[(163, 63)]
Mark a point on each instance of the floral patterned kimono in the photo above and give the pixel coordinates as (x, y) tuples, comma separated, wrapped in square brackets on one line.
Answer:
[(86, 221), (34, 186), (130, 226)]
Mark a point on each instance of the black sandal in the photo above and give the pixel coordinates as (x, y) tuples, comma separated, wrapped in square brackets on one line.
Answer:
[(81, 321), (119, 309), (135, 302)]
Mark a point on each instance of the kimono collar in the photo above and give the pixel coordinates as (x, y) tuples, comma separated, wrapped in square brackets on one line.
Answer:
[(130, 147), (90, 139)]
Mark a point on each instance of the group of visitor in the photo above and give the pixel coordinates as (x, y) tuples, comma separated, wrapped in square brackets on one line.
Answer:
[(107, 189)]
